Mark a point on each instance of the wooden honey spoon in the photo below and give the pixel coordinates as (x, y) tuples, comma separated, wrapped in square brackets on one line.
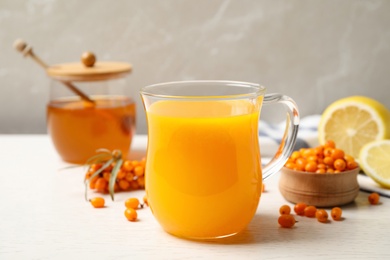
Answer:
[(87, 59)]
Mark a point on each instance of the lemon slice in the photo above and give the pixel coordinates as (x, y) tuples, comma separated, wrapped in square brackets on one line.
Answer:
[(354, 121), (374, 159)]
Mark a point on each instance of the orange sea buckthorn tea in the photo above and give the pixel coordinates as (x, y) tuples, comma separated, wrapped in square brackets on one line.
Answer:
[(203, 172), (88, 109)]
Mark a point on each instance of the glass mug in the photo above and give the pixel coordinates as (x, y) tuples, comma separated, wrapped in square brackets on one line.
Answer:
[(203, 169)]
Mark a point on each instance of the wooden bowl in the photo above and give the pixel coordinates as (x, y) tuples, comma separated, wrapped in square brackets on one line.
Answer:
[(320, 190)]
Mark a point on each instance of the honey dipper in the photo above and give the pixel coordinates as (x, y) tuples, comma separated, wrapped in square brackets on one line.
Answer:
[(26, 50)]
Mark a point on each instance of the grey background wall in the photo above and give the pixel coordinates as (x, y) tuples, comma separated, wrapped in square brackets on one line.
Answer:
[(315, 51)]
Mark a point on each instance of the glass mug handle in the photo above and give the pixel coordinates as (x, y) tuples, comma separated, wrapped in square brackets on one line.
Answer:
[(290, 133)]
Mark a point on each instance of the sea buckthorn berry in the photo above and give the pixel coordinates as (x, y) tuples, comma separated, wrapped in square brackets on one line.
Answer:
[(295, 155), (92, 183), (311, 166), (135, 163), (263, 187), (107, 176), (127, 166), (132, 203), (322, 215), (321, 166), (138, 170), (310, 211), (312, 158), (290, 165), (124, 184), (330, 144), (339, 164), (337, 154), (301, 163), (329, 170), (134, 185), (131, 214), (307, 153), (101, 185), (285, 210), (141, 181), (336, 213), (129, 176), (373, 198), (328, 152), (328, 161), (319, 151), (286, 221), (97, 202), (351, 165), (290, 160), (95, 167), (121, 175), (299, 208), (320, 171)]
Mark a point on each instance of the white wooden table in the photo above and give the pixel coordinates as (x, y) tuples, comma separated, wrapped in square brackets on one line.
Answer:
[(43, 215)]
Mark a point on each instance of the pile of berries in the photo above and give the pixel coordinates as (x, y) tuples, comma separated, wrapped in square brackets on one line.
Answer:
[(286, 220), (130, 176), (322, 159)]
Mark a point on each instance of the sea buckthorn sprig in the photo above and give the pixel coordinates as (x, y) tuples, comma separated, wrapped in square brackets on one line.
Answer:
[(325, 158), (109, 173)]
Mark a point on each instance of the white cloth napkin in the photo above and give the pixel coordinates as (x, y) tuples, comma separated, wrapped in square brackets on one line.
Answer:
[(271, 134), (368, 185)]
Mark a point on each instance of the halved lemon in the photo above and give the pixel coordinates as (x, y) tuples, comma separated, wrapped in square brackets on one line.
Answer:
[(354, 121), (374, 159)]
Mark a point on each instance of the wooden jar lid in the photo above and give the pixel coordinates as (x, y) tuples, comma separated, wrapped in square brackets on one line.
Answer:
[(88, 69)]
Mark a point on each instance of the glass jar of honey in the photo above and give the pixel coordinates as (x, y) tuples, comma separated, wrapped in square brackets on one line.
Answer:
[(88, 108)]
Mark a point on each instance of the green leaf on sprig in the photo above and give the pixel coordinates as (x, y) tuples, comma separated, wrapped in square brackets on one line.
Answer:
[(114, 173)]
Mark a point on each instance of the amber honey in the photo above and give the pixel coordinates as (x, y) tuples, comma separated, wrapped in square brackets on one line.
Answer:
[(78, 128)]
